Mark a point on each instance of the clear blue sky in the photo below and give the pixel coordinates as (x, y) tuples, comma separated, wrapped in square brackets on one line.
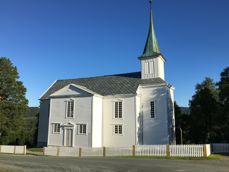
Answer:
[(59, 39)]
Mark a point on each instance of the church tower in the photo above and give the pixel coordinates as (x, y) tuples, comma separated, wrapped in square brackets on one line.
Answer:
[(152, 61)]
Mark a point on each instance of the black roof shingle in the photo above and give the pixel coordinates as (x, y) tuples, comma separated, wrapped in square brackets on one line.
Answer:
[(106, 85)]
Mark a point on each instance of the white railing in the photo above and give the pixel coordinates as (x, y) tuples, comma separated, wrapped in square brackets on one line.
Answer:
[(186, 150), (220, 148), (87, 152), (51, 151), (68, 151), (11, 149), (151, 150), (136, 150), (113, 151)]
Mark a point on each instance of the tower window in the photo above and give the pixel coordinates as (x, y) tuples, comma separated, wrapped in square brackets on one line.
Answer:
[(151, 67), (152, 109), (146, 67)]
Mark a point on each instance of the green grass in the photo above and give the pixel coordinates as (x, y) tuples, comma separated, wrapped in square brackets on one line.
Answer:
[(222, 156), (211, 157), (34, 151)]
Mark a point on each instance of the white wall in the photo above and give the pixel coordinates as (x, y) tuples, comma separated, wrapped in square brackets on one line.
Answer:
[(43, 123), (137, 117), (98, 113), (153, 130), (82, 115), (97, 118), (128, 121), (153, 68), (171, 115)]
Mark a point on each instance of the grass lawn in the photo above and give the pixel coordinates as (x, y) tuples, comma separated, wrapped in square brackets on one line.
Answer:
[(211, 157), (34, 151), (223, 156)]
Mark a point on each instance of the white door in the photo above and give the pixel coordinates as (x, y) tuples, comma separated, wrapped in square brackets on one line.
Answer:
[(68, 137)]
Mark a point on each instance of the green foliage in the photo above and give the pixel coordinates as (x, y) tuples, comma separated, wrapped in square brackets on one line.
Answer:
[(31, 127), (224, 86), (13, 104), (182, 125), (224, 99), (208, 121), (204, 118)]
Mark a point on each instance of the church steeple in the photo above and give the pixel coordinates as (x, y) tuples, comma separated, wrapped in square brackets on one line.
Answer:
[(152, 61), (151, 46)]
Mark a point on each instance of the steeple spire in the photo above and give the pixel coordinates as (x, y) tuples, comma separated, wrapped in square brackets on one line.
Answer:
[(151, 46)]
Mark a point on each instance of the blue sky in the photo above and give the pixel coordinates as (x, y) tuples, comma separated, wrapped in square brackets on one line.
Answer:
[(59, 39)]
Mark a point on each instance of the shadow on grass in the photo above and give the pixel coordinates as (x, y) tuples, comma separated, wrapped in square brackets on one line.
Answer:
[(222, 156), (35, 151)]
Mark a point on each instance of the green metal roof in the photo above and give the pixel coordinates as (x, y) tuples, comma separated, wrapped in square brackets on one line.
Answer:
[(151, 46)]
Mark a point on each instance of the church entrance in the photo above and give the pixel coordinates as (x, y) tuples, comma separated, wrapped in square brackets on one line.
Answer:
[(68, 137)]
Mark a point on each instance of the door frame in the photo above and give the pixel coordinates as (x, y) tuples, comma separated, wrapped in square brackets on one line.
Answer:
[(71, 127)]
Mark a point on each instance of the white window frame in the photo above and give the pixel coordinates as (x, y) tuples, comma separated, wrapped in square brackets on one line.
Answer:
[(79, 129), (70, 104), (54, 128), (117, 109), (119, 128), (153, 110)]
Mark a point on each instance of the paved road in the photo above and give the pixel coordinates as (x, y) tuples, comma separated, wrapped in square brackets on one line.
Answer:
[(56, 164)]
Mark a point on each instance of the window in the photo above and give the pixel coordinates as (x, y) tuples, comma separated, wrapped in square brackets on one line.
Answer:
[(70, 108), (56, 128), (118, 109), (152, 109), (151, 67), (82, 129), (146, 67), (118, 129)]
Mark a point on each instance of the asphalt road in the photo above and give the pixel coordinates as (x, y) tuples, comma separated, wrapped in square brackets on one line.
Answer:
[(57, 164)]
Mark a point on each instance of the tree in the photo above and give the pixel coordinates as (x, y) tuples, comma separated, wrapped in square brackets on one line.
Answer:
[(31, 127), (13, 104), (204, 121), (224, 99), (182, 125)]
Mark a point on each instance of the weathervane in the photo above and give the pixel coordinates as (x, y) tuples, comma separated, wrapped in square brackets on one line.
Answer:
[(150, 2)]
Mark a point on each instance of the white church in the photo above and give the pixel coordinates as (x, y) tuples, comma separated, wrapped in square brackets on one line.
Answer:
[(113, 111)]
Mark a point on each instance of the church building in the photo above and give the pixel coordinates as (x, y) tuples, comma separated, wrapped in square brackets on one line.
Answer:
[(112, 111)]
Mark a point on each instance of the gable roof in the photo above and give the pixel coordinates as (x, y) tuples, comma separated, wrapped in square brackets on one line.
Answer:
[(106, 85), (72, 89)]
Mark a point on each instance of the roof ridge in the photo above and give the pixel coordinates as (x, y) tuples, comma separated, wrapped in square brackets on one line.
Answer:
[(120, 75)]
